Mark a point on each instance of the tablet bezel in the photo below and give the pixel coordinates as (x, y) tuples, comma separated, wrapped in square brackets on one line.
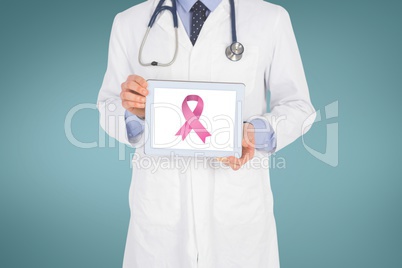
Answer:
[(174, 84)]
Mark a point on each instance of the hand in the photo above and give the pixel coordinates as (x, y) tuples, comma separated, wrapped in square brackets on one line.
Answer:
[(133, 93), (248, 147)]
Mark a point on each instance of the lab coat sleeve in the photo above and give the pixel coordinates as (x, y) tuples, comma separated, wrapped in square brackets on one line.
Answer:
[(112, 113), (291, 111)]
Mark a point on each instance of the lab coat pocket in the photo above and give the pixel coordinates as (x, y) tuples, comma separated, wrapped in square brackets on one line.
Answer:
[(156, 195), (239, 196), (242, 71)]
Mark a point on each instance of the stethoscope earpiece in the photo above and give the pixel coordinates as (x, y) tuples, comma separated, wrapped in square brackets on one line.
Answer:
[(234, 52)]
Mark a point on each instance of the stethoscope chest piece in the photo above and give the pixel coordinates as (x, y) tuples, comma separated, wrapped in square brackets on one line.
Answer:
[(234, 52)]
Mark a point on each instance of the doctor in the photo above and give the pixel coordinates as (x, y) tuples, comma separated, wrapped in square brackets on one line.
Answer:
[(206, 217)]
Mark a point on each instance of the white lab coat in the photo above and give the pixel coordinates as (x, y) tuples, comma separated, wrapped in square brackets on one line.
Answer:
[(207, 217)]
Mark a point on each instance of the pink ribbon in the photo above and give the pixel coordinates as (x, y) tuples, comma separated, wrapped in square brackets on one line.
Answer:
[(192, 119)]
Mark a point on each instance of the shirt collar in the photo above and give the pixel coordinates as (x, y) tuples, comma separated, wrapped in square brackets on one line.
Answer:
[(188, 4)]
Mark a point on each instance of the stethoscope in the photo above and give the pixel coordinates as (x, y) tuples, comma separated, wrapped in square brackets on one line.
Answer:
[(234, 52)]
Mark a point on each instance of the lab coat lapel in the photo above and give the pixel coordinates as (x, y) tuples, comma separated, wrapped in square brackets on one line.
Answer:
[(165, 21), (220, 14), (217, 17)]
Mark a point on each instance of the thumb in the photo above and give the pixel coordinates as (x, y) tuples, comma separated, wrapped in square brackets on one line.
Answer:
[(248, 139), (245, 142)]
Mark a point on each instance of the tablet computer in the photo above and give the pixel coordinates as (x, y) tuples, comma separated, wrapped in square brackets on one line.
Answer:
[(199, 119)]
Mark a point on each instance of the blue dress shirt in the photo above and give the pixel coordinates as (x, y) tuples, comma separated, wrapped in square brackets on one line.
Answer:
[(265, 138)]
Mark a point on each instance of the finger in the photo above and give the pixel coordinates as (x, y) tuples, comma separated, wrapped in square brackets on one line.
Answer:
[(128, 105), (224, 160), (137, 111), (244, 142), (234, 161), (231, 161), (132, 86), (244, 158), (139, 80), (247, 154), (248, 139), (235, 166), (129, 96)]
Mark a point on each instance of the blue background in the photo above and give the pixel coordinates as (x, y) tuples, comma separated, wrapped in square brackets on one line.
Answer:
[(62, 206)]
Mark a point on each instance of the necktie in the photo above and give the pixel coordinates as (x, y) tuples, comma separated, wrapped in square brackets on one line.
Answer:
[(198, 18)]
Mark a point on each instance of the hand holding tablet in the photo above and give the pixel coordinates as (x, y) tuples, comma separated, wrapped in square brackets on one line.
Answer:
[(133, 93), (200, 119)]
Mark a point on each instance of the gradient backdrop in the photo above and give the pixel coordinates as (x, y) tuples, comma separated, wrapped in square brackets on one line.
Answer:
[(62, 206)]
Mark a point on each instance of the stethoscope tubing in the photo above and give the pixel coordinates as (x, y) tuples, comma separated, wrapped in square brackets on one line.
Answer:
[(234, 52), (233, 21), (154, 63), (159, 8)]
